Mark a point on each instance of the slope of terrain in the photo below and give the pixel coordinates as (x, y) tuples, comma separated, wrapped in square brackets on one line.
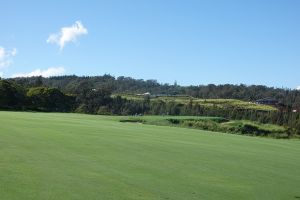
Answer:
[(73, 156), (209, 103), (217, 124)]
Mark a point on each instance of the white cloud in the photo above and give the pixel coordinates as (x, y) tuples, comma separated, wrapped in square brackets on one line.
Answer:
[(6, 57), (52, 71), (298, 88), (13, 52), (1, 74), (67, 34)]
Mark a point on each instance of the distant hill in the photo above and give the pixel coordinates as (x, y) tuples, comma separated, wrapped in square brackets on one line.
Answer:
[(206, 103), (71, 85)]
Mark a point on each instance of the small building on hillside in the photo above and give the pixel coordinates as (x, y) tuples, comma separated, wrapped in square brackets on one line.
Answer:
[(267, 101), (144, 94)]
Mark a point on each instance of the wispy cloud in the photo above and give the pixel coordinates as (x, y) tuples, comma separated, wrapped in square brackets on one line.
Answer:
[(6, 57), (298, 88), (52, 71), (67, 34)]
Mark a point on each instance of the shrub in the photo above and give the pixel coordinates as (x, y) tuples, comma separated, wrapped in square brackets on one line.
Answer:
[(133, 120)]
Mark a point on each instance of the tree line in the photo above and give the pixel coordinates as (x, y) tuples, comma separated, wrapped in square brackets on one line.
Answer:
[(70, 85)]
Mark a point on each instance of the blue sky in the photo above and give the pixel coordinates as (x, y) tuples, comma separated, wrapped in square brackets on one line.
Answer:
[(192, 42)]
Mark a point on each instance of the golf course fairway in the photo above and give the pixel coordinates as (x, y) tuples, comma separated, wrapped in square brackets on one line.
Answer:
[(59, 156)]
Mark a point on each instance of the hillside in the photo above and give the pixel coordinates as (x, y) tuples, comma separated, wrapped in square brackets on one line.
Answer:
[(118, 85), (207, 103)]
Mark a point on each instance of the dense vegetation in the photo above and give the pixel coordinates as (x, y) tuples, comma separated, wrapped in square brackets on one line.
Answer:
[(65, 156), (106, 95), (70, 84), (16, 97)]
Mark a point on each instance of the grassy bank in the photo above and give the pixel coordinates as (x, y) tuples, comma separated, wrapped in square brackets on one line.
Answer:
[(217, 124)]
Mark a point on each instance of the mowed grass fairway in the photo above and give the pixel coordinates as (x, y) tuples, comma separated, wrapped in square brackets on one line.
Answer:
[(73, 156)]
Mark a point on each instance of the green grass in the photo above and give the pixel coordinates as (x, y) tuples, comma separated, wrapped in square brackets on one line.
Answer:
[(75, 156), (161, 120), (220, 103), (268, 127), (217, 124)]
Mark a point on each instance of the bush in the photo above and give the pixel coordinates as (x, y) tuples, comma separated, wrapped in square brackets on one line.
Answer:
[(133, 120), (103, 110), (174, 121)]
